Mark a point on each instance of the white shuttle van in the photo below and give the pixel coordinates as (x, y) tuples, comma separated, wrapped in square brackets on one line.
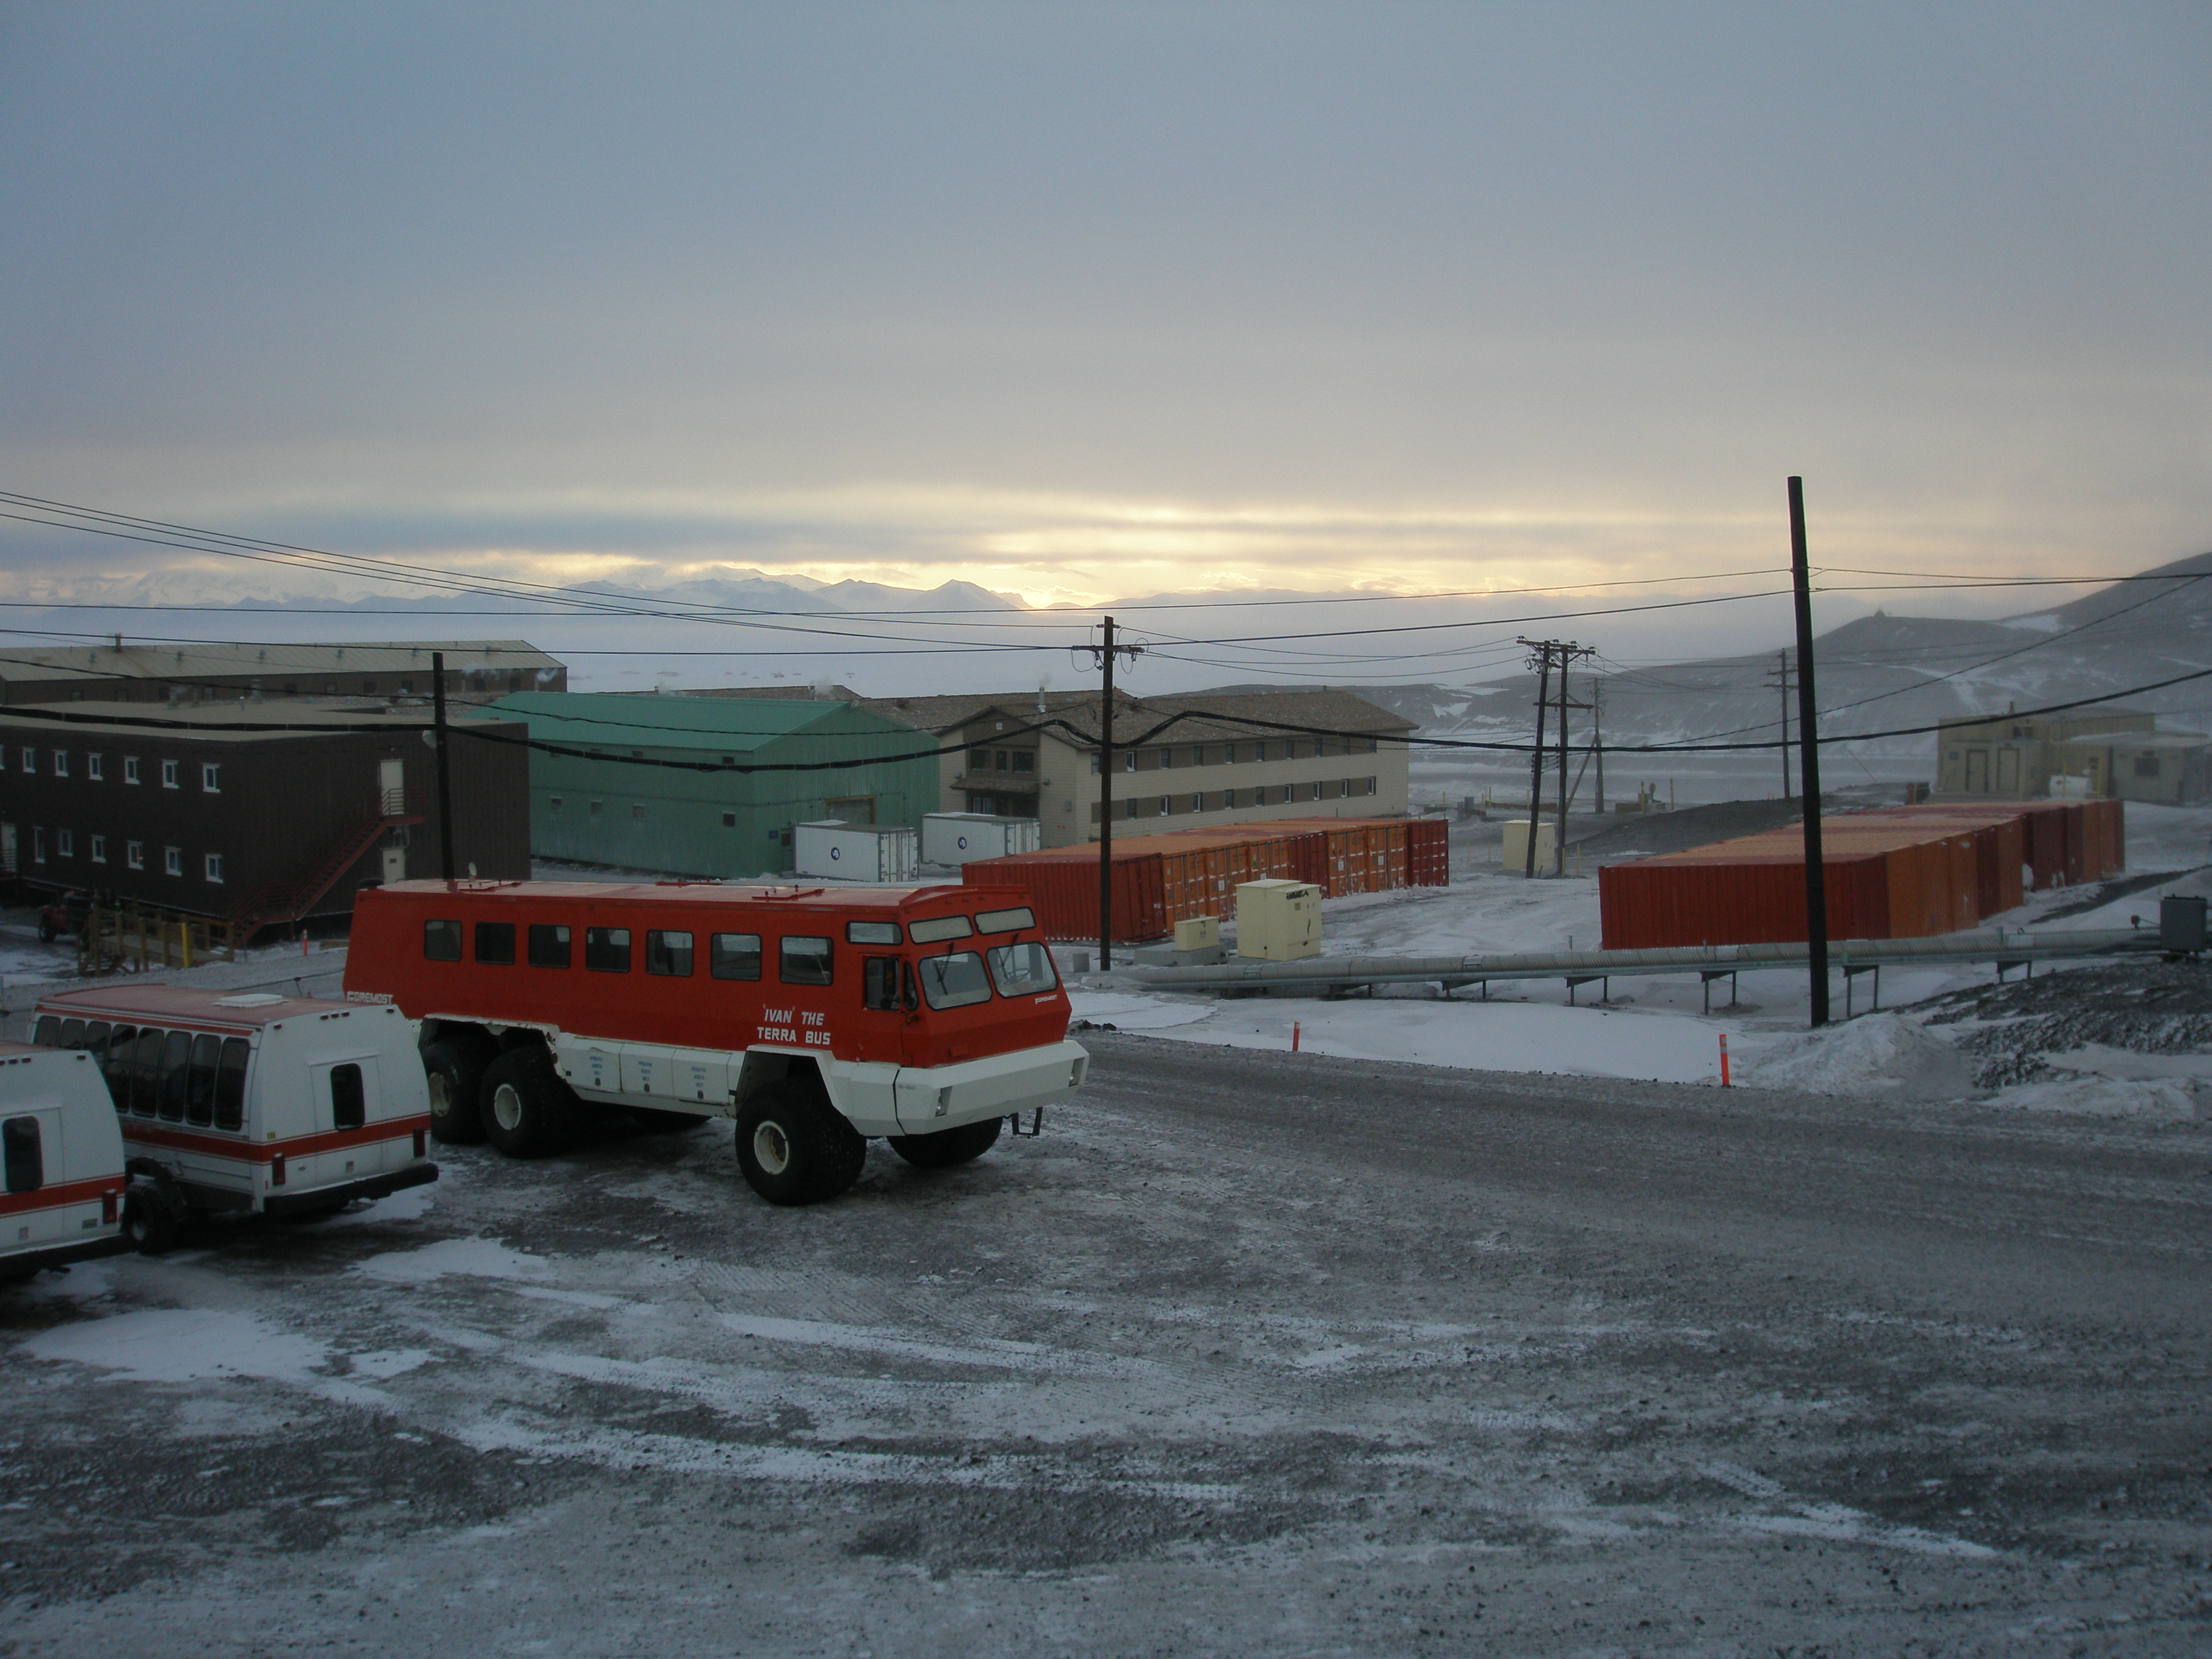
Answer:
[(63, 1158), (231, 1102)]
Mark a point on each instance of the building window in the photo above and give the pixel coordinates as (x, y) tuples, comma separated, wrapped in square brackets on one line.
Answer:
[(595, 809), (61, 762), (553, 803), (1026, 760), (1167, 805), (1094, 763), (1128, 760), (173, 860), (2146, 766), (213, 866), (100, 849), (210, 778), (95, 767), (168, 774), (30, 758), (637, 811), (37, 845), (729, 820), (64, 843), (134, 855), (130, 768)]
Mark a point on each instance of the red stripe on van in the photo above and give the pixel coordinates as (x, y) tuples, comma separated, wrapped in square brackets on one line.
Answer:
[(260, 1152), (56, 1198)]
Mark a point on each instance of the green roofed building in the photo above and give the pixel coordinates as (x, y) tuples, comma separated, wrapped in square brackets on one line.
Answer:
[(597, 806)]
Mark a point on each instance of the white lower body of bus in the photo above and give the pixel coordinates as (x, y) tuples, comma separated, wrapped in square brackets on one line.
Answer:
[(223, 1173), (54, 1226)]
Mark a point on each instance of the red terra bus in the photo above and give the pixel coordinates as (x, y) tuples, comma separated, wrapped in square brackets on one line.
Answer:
[(817, 1017)]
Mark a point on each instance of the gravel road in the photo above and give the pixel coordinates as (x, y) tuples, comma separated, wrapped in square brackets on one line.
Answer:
[(1248, 1353)]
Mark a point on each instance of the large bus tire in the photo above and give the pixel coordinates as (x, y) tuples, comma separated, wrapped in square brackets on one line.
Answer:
[(527, 1110), (795, 1149), (150, 1221), (453, 1070), (949, 1146)]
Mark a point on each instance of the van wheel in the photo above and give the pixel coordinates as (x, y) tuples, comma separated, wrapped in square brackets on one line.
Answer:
[(453, 1072), (526, 1109), (794, 1148), (46, 931), (151, 1222), (949, 1146), (666, 1122)]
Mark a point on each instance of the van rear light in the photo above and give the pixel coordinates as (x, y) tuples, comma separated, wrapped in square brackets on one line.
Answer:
[(422, 1145), (277, 1170), (108, 1203)]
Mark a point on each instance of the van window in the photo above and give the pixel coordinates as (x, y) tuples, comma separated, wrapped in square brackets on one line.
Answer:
[(72, 1034), (48, 1033), (805, 960), (549, 945), (1022, 970), (115, 1065), (606, 950), (495, 943), (954, 980), (441, 941), (348, 1104), (96, 1037), (25, 1164), (668, 953), (146, 1071), (230, 1084), (734, 956), (176, 1067), (887, 982), (199, 1081)]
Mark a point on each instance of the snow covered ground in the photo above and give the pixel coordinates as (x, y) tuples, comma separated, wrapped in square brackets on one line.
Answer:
[(1656, 1027)]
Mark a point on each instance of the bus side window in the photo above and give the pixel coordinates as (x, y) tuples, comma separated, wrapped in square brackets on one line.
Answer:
[(495, 943), (734, 956), (27, 1164), (549, 945), (176, 1068), (668, 953), (804, 960), (116, 1064), (146, 1071), (72, 1034), (879, 981), (441, 941), (199, 1083), (230, 1084), (348, 1104), (606, 950), (47, 1033)]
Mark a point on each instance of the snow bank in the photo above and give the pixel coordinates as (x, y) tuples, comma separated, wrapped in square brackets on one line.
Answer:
[(1874, 1055), (2086, 1095), (477, 1258)]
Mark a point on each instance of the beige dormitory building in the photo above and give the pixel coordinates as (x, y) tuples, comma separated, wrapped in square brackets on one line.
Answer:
[(1178, 764)]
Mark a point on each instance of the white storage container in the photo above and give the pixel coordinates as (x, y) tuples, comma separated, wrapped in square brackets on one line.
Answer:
[(953, 838), (1516, 845), (1278, 920), (832, 849)]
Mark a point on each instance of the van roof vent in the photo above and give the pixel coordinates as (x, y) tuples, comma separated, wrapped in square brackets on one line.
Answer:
[(248, 1000)]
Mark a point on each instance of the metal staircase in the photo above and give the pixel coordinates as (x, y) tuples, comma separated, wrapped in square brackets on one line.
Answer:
[(286, 900)]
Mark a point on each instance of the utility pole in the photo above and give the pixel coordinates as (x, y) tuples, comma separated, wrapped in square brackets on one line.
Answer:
[(1541, 662), (1543, 654), (1782, 679), (444, 774), (1809, 754), (1105, 652), (1597, 738)]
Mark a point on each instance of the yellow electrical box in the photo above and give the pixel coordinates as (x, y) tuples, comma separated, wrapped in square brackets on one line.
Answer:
[(1516, 845), (1278, 920), (1198, 933)]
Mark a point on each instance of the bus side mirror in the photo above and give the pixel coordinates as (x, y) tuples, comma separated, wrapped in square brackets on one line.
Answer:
[(909, 996)]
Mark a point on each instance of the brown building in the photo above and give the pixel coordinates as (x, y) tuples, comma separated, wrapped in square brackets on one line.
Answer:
[(251, 826), (121, 671), (2109, 751)]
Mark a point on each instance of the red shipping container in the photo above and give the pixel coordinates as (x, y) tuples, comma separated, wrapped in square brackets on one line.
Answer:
[(1428, 852), (1064, 893)]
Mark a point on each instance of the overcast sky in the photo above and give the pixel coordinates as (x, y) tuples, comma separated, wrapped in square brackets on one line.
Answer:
[(1089, 301)]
